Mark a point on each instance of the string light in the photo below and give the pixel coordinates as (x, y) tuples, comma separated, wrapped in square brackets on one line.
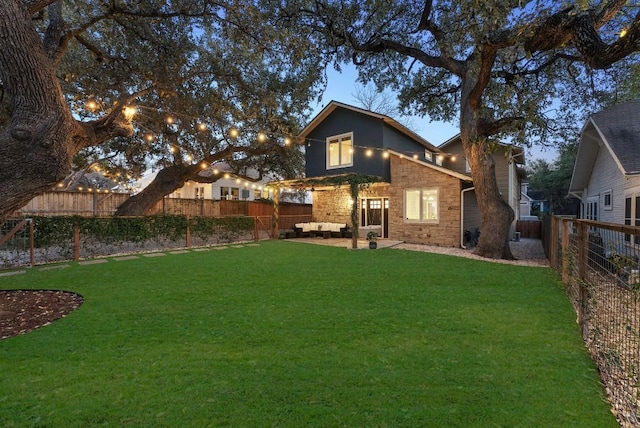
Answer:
[(202, 126), (623, 32), (91, 105), (149, 137), (169, 120), (261, 137), (233, 132), (129, 112)]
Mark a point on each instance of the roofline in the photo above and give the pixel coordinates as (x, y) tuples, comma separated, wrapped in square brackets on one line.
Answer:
[(329, 108), (518, 151), (606, 143), (432, 166)]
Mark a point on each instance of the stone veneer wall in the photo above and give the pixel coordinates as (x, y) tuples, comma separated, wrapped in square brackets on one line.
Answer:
[(408, 174), (334, 205)]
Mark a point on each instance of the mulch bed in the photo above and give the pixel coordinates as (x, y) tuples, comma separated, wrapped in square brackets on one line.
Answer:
[(22, 311)]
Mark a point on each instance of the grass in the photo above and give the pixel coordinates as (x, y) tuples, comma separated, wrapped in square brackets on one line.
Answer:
[(289, 334)]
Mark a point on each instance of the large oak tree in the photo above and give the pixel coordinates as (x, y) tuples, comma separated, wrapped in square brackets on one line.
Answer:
[(505, 69), (194, 70)]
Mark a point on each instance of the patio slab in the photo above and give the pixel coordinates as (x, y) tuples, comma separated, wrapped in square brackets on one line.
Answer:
[(346, 242)]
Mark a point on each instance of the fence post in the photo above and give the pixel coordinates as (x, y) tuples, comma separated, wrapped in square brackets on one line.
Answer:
[(256, 236), (188, 235), (275, 217), (76, 242), (32, 255), (583, 248), (553, 242), (564, 251)]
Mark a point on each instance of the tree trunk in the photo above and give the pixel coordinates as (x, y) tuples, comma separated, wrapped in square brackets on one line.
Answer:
[(497, 215), (168, 180), (41, 136), (34, 146)]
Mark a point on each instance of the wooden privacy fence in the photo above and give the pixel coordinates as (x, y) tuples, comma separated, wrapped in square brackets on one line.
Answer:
[(600, 268), (86, 204), (101, 204), (529, 228)]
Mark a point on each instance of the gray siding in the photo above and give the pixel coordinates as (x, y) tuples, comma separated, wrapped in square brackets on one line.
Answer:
[(367, 132), (606, 176)]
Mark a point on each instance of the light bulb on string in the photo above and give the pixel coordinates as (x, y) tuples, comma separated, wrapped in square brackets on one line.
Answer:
[(91, 105), (169, 120), (129, 112), (233, 132), (202, 126), (261, 137)]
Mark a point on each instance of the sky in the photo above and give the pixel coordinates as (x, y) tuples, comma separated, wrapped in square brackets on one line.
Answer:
[(341, 87)]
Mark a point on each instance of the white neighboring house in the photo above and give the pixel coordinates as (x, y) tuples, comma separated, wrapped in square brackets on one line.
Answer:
[(525, 201), (606, 175), (228, 187)]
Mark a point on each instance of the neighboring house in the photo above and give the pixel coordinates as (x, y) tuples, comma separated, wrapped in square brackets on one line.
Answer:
[(526, 201), (228, 187), (418, 201), (509, 169), (606, 175)]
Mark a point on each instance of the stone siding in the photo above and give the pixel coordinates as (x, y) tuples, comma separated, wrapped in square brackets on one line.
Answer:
[(334, 205), (408, 174)]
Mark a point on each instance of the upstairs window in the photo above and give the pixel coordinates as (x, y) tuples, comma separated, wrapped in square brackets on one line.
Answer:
[(340, 151)]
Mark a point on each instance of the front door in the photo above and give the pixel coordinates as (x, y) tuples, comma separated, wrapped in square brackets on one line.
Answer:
[(374, 212)]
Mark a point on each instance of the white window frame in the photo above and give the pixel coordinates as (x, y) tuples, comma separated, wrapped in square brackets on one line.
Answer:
[(422, 192), (428, 155), (608, 193), (340, 138)]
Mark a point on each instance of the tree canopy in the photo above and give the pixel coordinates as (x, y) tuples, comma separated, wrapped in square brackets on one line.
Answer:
[(131, 85)]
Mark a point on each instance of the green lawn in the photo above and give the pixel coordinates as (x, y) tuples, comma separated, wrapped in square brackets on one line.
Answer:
[(289, 334)]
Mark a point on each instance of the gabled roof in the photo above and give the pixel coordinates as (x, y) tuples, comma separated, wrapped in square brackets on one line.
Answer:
[(516, 152), (434, 167), (333, 105), (618, 130)]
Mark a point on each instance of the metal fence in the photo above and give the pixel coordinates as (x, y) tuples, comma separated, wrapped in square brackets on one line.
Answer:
[(599, 264)]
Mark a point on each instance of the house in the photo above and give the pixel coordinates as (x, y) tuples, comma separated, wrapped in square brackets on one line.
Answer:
[(606, 175), (509, 169), (526, 202), (228, 187), (418, 200)]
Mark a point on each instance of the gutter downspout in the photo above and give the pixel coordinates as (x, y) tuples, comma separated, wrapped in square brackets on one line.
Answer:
[(462, 216)]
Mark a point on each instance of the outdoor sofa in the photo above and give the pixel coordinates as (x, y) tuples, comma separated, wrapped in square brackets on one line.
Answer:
[(324, 229)]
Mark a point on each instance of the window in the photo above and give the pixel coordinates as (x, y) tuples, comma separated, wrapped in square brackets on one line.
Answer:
[(607, 203), (428, 155), (340, 151), (439, 159), (421, 205), (229, 193), (467, 168), (592, 209), (632, 216), (627, 217)]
